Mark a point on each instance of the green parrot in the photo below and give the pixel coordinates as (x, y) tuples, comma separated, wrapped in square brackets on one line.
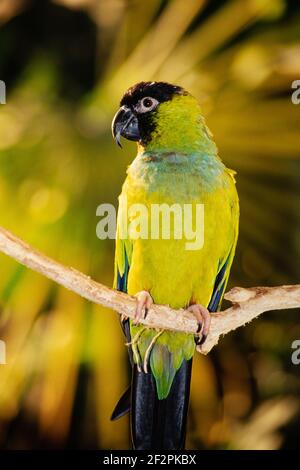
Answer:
[(177, 166)]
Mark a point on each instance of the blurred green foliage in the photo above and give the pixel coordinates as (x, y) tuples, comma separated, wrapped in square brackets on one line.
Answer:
[(66, 64)]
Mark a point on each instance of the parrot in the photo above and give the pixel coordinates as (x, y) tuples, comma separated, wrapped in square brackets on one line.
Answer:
[(177, 165)]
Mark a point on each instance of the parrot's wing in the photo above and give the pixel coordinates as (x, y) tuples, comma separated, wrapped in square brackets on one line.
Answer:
[(121, 277), (220, 283), (120, 283), (122, 266), (123, 253), (225, 264)]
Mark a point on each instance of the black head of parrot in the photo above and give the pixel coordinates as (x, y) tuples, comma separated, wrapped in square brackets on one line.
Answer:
[(134, 118)]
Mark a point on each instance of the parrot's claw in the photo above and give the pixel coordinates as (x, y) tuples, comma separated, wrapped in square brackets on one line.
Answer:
[(143, 303), (203, 318)]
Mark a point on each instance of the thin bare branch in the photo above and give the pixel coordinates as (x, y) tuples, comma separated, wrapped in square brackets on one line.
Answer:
[(247, 303)]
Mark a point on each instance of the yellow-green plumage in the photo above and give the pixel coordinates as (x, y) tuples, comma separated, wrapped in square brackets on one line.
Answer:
[(179, 165)]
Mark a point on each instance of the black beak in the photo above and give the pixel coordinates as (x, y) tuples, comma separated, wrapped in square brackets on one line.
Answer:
[(125, 124)]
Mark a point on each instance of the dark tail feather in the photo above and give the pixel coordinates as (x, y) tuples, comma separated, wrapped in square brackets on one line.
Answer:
[(123, 405), (160, 424)]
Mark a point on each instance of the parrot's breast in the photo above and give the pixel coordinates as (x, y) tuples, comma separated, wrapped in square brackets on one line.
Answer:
[(177, 269)]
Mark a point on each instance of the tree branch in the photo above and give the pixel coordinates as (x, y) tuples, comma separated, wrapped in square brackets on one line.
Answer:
[(247, 303)]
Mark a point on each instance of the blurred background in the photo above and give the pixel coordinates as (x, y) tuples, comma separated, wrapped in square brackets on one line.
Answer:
[(66, 64)]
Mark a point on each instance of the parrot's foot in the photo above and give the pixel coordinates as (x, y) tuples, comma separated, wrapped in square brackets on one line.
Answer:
[(203, 318), (143, 303)]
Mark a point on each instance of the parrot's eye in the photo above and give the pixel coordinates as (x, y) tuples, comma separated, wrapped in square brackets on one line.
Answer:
[(146, 104)]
